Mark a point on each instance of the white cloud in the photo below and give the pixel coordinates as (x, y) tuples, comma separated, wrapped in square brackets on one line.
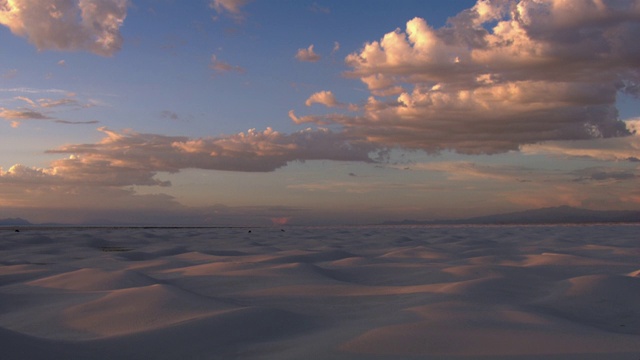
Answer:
[(499, 76), (253, 151), (307, 54), (90, 25), (325, 98)]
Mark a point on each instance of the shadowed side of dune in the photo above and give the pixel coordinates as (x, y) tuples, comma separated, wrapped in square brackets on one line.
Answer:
[(609, 303), (221, 336)]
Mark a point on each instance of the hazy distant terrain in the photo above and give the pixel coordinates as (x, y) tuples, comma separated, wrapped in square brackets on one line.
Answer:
[(552, 215), (14, 222)]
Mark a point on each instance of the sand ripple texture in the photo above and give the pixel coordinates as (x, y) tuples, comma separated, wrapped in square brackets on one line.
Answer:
[(379, 292)]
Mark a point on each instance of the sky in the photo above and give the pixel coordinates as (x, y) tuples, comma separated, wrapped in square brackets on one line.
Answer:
[(240, 112)]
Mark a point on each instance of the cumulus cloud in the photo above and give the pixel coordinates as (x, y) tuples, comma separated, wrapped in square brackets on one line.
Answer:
[(90, 25), (252, 151), (325, 98), (106, 172), (23, 173), (307, 54), (88, 171), (498, 76)]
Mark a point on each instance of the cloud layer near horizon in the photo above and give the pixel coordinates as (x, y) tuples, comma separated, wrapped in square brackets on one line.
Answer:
[(500, 75), (90, 25), (613, 149), (130, 158)]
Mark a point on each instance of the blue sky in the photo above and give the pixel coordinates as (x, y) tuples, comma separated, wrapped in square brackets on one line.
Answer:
[(315, 112)]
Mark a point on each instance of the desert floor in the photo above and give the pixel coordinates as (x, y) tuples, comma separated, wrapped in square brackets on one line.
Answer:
[(431, 292)]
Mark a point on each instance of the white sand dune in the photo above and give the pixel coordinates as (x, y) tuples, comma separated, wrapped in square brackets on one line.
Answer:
[(140, 309), (465, 330), (446, 293), (88, 279)]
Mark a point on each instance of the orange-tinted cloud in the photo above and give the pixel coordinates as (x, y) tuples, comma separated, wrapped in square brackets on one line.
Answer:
[(222, 67), (498, 76), (307, 54), (104, 175), (90, 25), (325, 98), (252, 151), (22, 114)]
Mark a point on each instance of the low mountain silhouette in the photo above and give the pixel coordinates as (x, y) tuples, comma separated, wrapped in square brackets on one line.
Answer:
[(550, 215), (14, 222)]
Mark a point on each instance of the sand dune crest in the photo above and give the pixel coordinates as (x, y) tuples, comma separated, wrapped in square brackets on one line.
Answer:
[(95, 280)]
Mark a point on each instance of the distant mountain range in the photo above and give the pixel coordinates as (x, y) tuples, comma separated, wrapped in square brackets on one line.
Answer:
[(14, 222), (550, 215)]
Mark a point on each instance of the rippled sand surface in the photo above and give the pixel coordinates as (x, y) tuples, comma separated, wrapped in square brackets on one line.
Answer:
[(441, 292)]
